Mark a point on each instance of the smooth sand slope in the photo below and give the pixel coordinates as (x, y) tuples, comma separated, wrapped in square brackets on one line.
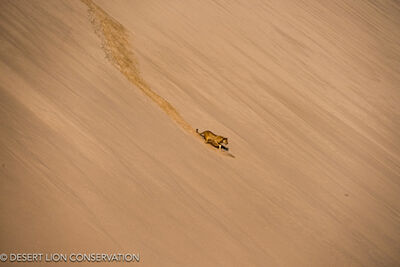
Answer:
[(97, 111)]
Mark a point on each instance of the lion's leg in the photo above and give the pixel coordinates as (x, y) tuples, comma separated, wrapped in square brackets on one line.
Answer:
[(215, 144)]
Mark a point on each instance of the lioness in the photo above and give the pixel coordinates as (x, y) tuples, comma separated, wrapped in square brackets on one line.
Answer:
[(213, 139)]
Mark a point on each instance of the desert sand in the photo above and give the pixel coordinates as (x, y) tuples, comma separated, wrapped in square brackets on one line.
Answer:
[(98, 105)]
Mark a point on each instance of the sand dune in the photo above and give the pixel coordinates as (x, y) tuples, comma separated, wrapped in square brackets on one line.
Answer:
[(99, 100)]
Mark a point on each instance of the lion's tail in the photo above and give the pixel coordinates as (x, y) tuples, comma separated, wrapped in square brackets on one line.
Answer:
[(197, 131)]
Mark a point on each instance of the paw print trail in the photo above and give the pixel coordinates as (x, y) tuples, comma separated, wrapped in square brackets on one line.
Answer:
[(115, 43)]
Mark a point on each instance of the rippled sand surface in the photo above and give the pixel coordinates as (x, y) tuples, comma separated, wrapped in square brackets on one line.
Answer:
[(99, 101)]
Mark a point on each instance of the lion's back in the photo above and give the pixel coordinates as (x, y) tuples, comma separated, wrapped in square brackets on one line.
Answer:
[(210, 136)]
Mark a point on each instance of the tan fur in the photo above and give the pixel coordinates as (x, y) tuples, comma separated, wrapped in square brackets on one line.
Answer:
[(213, 139)]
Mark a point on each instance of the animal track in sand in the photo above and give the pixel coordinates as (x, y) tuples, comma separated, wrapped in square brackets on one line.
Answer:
[(115, 43)]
